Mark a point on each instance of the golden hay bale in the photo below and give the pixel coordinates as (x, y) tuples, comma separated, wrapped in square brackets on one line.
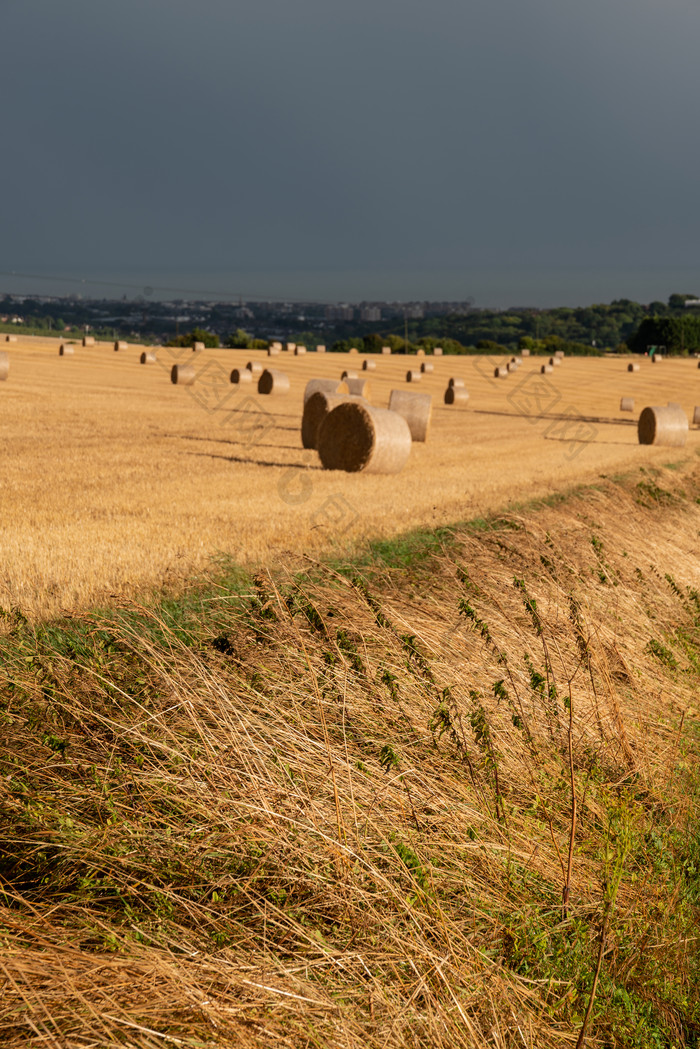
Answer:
[(320, 349), (663, 425), (369, 366), (559, 354), (500, 372), (627, 404), (290, 347), (148, 357), (316, 408), (241, 375), (299, 351), (88, 340), (66, 350), (386, 349), (413, 375), (655, 359), (512, 366), (182, 375), (355, 436), (427, 367), (197, 347), (353, 350), (555, 360), (437, 351), (358, 387), (546, 369), (320, 386), (456, 395), (454, 381), (273, 381), (4, 366), (254, 367), (121, 346), (416, 409), (696, 415), (348, 375), (633, 367), (10, 338), (273, 351), (524, 353), (420, 353)]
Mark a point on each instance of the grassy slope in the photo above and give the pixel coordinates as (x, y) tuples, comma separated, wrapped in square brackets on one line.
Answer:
[(336, 810)]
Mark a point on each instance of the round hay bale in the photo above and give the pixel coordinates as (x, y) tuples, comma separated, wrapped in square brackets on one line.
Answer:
[(369, 366), (456, 395), (316, 408), (696, 415), (241, 375), (524, 353), (555, 360), (347, 375), (66, 350), (655, 359), (512, 366), (299, 351), (427, 367), (437, 351), (500, 372), (454, 381), (559, 354), (353, 350), (358, 387), (182, 375), (148, 357), (290, 347), (273, 351), (10, 338), (413, 375), (634, 367), (197, 347), (88, 340), (320, 349), (4, 365), (420, 353), (355, 436), (627, 404), (273, 381), (386, 349), (120, 346), (254, 367), (662, 425), (546, 369), (416, 409), (320, 386)]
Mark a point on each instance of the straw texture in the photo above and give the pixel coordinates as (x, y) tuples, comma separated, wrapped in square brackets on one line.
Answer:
[(416, 409), (356, 436), (4, 365)]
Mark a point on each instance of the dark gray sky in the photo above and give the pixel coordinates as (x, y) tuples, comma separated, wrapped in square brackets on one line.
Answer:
[(521, 151)]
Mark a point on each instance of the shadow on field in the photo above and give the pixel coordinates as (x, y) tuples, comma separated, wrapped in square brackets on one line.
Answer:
[(257, 462), (604, 420)]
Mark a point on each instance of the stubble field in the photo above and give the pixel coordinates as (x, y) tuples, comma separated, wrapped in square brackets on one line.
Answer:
[(115, 481)]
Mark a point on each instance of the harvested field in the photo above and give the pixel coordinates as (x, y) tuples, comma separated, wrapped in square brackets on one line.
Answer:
[(116, 481)]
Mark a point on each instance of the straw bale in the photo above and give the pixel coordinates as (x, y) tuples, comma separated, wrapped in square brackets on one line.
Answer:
[(386, 349), (696, 415), (290, 347), (420, 352), (10, 338), (197, 347), (500, 372), (555, 360), (182, 375), (316, 408), (358, 387), (413, 375), (320, 386), (655, 359), (456, 395), (66, 349), (427, 367), (355, 436), (512, 366), (369, 366), (273, 381), (416, 409), (634, 367), (4, 365), (353, 350), (454, 381), (524, 353), (148, 357), (559, 354), (273, 351), (121, 346), (320, 349), (546, 369), (241, 375), (437, 351), (254, 367), (663, 425), (299, 351), (348, 375), (627, 404)]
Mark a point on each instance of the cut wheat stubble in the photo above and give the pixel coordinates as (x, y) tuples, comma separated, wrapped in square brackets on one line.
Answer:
[(663, 425), (358, 437), (416, 409)]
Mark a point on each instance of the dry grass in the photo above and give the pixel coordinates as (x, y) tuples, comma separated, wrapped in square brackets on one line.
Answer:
[(115, 481), (336, 810)]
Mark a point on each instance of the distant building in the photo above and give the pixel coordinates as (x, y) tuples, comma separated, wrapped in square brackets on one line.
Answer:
[(370, 313), (340, 312)]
